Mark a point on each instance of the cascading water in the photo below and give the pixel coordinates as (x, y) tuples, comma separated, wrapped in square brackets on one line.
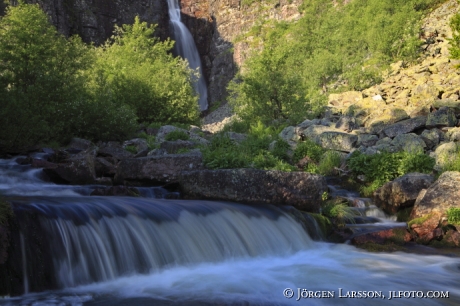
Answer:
[(141, 251), (185, 47)]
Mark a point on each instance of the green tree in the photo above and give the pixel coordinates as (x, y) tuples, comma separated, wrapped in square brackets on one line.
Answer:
[(41, 84), (135, 69)]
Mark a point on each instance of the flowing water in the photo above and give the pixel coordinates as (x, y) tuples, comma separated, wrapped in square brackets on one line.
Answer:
[(186, 48), (150, 251)]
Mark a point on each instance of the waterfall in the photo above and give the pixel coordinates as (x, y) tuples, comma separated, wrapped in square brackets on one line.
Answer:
[(185, 47), (99, 239)]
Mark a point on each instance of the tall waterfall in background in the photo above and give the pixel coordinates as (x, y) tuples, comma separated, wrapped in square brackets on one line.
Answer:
[(185, 47)]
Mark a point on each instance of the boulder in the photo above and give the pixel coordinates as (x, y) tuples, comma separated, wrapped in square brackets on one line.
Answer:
[(343, 100), (404, 127), (444, 116), (439, 197), (172, 147), (105, 166), (79, 144), (116, 191), (251, 186), (76, 170), (445, 154), (366, 140), (397, 235), (346, 123), (337, 141), (139, 143), (401, 192), (165, 130), (113, 149), (289, 134), (431, 137), (161, 169), (409, 142), (453, 134)]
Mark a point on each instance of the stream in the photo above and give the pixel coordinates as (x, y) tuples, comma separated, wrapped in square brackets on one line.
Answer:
[(74, 249)]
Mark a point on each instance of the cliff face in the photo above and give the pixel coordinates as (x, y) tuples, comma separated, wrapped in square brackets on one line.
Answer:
[(94, 20), (214, 25)]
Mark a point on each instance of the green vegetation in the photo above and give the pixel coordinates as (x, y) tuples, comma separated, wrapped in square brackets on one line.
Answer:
[(455, 41), (384, 167), (177, 135), (339, 211), (54, 88), (330, 48), (224, 153), (453, 215)]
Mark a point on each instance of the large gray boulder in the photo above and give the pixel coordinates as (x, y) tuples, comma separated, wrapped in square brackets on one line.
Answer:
[(444, 116), (405, 126), (401, 192), (408, 142), (337, 141), (162, 169), (251, 186), (78, 169), (439, 197)]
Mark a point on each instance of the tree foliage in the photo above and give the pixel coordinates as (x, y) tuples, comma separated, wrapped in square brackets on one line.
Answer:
[(137, 70), (53, 88), (41, 84)]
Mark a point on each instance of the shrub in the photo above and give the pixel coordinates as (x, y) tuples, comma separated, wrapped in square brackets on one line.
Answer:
[(384, 167), (308, 148), (328, 162), (137, 70), (453, 215), (41, 83), (177, 135), (339, 211)]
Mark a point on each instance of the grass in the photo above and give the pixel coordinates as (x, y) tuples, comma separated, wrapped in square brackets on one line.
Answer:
[(177, 135)]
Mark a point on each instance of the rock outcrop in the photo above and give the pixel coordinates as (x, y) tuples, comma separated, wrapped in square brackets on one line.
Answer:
[(299, 189)]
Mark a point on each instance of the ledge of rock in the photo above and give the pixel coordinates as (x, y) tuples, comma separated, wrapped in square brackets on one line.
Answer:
[(250, 186), (162, 169)]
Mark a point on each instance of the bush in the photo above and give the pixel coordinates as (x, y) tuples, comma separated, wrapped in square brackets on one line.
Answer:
[(177, 135), (328, 162), (384, 167), (339, 211), (135, 69), (310, 149), (453, 215)]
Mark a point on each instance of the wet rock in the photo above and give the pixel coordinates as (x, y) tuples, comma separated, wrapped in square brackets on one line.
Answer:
[(398, 235), (405, 126), (77, 170), (453, 238), (299, 189), (401, 192), (116, 191), (424, 227), (444, 116), (156, 169), (439, 197), (105, 166)]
